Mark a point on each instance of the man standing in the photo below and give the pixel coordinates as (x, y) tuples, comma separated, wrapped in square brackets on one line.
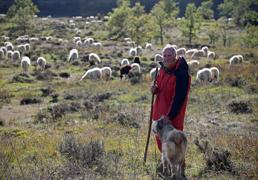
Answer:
[(171, 90)]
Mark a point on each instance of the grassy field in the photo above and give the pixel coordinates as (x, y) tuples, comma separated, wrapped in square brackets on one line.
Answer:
[(71, 129)]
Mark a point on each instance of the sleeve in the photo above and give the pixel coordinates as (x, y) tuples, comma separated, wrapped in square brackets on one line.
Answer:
[(181, 89)]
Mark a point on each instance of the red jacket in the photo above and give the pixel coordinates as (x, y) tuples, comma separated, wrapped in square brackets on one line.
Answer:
[(172, 93)]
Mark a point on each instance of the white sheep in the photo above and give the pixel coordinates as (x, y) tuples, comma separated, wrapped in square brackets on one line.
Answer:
[(214, 74), (78, 43), (21, 48), (9, 46), (33, 39), (27, 47), (205, 49), (198, 54), (94, 58), (158, 58), (236, 59), (181, 52), (193, 64), (190, 52), (9, 54), (97, 45), (75, 39), (124, 62), (204, 75), (41, 62), (136, 67), (139, 50), (153, 73), (132, 52), (88, 41), (93, 74), (73, 55), (25, 64), (106, 73), (211, 55), (16, 56), (4, 50), (148, 46)]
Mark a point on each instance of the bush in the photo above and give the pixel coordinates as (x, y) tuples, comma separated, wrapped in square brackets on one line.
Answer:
[(240, 107)]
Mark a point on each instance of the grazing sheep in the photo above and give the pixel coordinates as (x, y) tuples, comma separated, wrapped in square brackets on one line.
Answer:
[(136, 67), (16, 56), (4, 50), (75, 39), (93, 74), (27, 47), (9, 46), (33, 39), (78, 43), (139, 50), (153, 73), (214, 74), (211, 55), (205, 49), (124, 70), (198, 54), (25, 63), (73, 55), (190, 52), (21, 48), (97, 45), (9, 54), (106, 73), (2, 55), (181, 52), (158, 58), (88, 41), (148, 46), (41, 62), (94, 58), (236, 59), (204, 75), (132, 52), (124, 62), (193, 64), (137, 60)]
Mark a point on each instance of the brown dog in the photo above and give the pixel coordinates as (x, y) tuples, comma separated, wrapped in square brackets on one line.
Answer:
[(174, 144)]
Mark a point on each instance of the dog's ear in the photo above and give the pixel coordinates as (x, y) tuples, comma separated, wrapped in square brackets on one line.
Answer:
[(160, 125)]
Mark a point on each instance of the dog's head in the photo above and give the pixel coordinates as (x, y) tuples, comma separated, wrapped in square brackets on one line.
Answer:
[(157, 126)]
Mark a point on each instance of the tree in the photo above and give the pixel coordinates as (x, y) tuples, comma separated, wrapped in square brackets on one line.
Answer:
[(191, 23), (251, 37), (205, 9), (137, 24), (118, 21), (163, 15), (242, 11), (22, 13)]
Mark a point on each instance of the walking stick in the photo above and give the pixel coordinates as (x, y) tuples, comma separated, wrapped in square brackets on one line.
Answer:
[(149, 130)]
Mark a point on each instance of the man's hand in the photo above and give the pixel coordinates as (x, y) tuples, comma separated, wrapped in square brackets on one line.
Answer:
[(153, 89)]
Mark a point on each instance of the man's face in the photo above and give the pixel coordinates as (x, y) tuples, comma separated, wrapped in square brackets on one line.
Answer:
[(169, 58)]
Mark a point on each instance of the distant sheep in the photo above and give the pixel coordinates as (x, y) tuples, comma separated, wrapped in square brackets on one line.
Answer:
[(236, 59), (148, 46), (139, 50), (27, 47), (4, 50), (21, 48), (124, 62), (94, 58), (106, 73), (16, 56), (97, 45), (193, 64), (132, 52), (181, 52), (136, 67), (73, 55), (9, 54), (158, 58), (25, 64), (198, 54), (2, 55), (92, 74), (211, 55), (214, 74), (204, 75), (205, 49), (41, 62), (9, 46), (190, 52)]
